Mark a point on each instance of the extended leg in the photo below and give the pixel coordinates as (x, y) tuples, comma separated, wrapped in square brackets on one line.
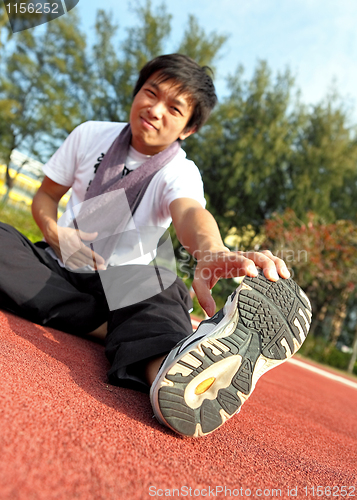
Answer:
[(207, 377)]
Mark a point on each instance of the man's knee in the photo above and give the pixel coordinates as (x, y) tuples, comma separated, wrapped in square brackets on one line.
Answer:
[(7, 231)]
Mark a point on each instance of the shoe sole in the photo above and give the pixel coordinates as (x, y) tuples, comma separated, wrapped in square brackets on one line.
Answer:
[(198, 389)]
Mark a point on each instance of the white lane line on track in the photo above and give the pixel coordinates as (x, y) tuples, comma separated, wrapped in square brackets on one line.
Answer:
[(324, 373)]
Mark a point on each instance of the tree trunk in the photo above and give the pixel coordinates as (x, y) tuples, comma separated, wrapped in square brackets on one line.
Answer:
[(10, 181), (352, 362), (339, 318), (318, 318)]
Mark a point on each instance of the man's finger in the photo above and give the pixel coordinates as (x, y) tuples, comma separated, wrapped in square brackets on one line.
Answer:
[(279, 263), (236, 264), (268, 253), (87, 236), (270, 265), (281, 267), (203, 293), (91, 257)]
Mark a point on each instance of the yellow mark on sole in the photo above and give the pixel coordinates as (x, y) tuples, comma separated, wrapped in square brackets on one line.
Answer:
[(221, 372), (204, 386)]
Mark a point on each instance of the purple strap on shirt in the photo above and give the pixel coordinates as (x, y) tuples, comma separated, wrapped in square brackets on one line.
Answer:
[(109, 174)]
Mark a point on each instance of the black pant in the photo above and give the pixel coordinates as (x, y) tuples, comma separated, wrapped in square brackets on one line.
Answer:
[(34, 286)]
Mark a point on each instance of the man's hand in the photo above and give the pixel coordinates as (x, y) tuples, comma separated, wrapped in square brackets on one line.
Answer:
[(73, 252), (199, 234), (67, 243), (211, 266)]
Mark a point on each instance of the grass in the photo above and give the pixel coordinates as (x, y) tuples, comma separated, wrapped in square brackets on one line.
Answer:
[(22, 220)]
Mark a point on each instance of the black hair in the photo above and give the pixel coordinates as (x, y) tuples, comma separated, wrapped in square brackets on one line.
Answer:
[(189, 78)]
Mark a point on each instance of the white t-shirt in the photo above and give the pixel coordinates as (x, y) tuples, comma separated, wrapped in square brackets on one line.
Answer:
[(75, 162)]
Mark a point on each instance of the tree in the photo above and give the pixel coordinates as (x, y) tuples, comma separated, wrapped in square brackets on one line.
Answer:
[(6, 113), (199, 45), (323, 164), (43, 83), (116, 69), (263, 152), (18, 99), (323, 259), (245, 149), (344, 198)]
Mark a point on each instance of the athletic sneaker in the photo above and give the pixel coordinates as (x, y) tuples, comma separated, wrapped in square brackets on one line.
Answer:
[(207, 376)]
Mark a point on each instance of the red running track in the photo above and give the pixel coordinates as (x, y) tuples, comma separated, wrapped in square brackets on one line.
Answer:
[(66, 434)]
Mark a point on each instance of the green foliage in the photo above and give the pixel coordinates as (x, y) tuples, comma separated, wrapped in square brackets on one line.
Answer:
[(199, 45), (5, 29), (147, 41), (244, 150), (325, 156), (263, 152), (318, 349), (22, 220), (42, 83), (323, 260)]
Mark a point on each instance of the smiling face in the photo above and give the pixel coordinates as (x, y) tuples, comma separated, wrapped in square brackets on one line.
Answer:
[(159, 115)]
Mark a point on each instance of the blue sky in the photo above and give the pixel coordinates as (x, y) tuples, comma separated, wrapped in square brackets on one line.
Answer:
[(317, 39)]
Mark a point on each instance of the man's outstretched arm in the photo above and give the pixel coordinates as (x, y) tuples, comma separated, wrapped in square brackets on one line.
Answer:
[(198, 232)]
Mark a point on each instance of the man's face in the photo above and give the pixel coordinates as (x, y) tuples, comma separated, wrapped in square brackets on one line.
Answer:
[(158, 116)]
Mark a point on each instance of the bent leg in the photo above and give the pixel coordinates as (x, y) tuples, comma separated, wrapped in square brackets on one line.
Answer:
[(144, 331), (34, 286)]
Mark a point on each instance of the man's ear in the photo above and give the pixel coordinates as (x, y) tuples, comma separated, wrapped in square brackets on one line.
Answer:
[(184, 135)]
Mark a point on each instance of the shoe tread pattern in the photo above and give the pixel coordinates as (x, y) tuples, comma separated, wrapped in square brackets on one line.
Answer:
[(228, 400), (177, 414), (209, 416), (266, 319), (242, 380), (271, 308)]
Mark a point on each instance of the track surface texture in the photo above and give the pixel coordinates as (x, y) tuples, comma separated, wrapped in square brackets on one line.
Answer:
[(66, 434)]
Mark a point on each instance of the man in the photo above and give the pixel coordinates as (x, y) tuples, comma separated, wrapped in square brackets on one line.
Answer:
[(197, 380)]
